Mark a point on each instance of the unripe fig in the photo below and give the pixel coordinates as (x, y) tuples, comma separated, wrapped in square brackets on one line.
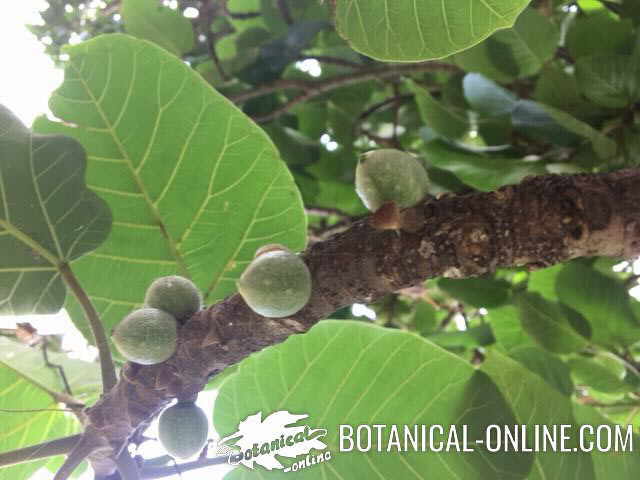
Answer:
[(183, 429), (146, 336), (276, 284), (389, 175), (175, 295)]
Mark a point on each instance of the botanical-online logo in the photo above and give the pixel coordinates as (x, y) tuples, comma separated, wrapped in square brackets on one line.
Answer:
[(260, 441)]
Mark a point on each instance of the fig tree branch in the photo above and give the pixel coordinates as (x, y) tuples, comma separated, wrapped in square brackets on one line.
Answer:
[(127, 466), (542, 221), (88, 444)]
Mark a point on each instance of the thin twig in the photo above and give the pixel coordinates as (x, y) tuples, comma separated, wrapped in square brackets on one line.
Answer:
[(314, 88), (208, 15), (326, 212), (100, 337), (396, 114), (59, 446), (283, 84), (631, 281), (48, 363), (381, 107), (331, 60), (285, 12), (381, 141), (243, 15)]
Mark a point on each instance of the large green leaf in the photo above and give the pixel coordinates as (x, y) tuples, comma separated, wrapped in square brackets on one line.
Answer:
[(487, 97), (479, 292), (558, 88), (149, 20), (507, 328), (609, 80), (534, 402), (543, 281), (602, 300), (548, 325), (194, 185), (47, 216), (514, 53), (356, 373), (414, 30), (601, 373), (612, 463), (83, 377), (599, 33), (21, 429), (437, 116), (481, 172), (556, 126), (546, 365)]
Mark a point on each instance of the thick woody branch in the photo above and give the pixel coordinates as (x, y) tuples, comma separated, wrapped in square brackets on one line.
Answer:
[(543, 221)]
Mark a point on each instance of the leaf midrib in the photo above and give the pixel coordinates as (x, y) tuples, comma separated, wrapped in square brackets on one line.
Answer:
[(150, 204)]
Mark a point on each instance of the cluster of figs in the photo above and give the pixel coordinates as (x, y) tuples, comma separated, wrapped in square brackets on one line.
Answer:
[(276, 284)]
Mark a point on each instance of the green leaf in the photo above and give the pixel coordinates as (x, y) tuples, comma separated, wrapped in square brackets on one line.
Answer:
[(602, 300), (599, 34), (412, 31), (557, 88), (480, 292), (299, 12), (274, 56), (149, 20), (437, 116), (425, 318), (601, 373), (21, 429), (243, 6), (481, 172), (486, 97), (609, 80), (506, 326), (553, 125), (546, 365), (83, 377), (194, 185), (344, 372), (589, 5), (547, 324), (514, 53), (543, 281), (473, 337), (612, 463), (47, 216), (535, 402)]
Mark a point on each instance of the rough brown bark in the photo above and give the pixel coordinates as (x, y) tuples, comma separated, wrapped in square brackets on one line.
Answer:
[(542, 221)]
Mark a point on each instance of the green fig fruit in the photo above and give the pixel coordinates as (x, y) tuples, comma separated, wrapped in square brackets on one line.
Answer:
[(175, 295), (276, 284), (146, 336), (183, 429), (389, 175)]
